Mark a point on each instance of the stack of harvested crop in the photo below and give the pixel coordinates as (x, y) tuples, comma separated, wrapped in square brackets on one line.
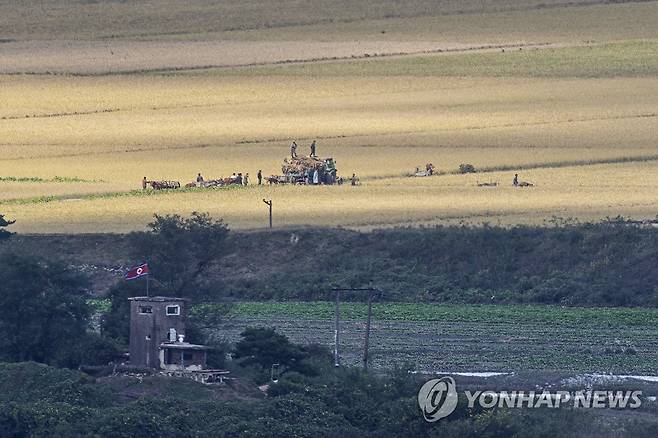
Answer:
[(301, 164)]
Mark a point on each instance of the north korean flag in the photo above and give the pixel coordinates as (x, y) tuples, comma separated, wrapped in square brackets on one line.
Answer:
[(137, 271)]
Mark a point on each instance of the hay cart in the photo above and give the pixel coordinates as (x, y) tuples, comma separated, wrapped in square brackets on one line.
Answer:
[(307, 170)]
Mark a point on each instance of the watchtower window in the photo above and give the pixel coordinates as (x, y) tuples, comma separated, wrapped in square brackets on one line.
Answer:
[(145, 310), (173, 310)]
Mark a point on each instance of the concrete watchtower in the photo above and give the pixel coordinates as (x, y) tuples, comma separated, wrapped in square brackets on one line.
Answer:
[(154, 321)]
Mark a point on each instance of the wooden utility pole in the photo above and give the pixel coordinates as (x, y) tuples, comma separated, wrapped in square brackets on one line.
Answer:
[(366, 341), (337, 331), (367, 338), (269, 203)]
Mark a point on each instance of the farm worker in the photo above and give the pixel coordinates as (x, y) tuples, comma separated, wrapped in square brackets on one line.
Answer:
[(316, 177), (354, 179), (259, 175), (246, 179), (144, 184), (313, 149), (515, 181), (239, 179), (293, 150), (233, 177), (199, 179)]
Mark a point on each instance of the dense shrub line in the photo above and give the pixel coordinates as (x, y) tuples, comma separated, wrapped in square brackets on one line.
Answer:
[(606, 264)]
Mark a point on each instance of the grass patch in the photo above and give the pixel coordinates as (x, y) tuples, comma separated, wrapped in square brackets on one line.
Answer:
[(56, 179), (109, 195), (417, 312)]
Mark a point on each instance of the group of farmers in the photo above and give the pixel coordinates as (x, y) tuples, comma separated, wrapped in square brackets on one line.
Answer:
[(243, 180)]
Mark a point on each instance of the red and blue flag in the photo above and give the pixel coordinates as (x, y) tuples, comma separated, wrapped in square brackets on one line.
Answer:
[(136, 272)]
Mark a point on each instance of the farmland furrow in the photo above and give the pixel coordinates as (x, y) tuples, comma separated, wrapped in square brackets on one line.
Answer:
[(476, 346)]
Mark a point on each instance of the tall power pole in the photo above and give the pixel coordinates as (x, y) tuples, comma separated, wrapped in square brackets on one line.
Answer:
[(366, 340), (337, 331)]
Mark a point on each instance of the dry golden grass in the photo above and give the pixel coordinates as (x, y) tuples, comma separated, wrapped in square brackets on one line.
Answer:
[(377, 118), (181, 112), (379, 127)]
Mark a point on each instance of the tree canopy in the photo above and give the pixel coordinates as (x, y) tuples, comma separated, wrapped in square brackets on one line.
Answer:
[(179, 250), (44, 309)]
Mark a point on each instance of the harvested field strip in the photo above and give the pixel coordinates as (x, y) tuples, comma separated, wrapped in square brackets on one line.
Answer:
[(529, 166), (466, 128), (626, 59), (166, 71), (152, 19), (603, 22), (201, 69), (346, 136)]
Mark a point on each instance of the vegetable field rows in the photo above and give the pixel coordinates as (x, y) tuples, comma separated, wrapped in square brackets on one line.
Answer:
[(469, 338)]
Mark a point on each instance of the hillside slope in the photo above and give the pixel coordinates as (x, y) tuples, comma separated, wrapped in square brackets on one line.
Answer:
[(602, 264)]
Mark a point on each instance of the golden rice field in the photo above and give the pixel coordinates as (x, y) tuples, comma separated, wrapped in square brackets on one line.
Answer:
[(577, 115), (589, 193)]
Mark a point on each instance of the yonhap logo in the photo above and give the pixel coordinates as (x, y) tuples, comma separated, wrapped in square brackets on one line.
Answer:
[(438, 398)]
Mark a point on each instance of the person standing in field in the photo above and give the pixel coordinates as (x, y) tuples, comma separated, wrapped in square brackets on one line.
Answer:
[(293, 150), (245, 181), (313, 149), (144, 184), (354, 179), (515, 181), (199, 180), (259, 175)]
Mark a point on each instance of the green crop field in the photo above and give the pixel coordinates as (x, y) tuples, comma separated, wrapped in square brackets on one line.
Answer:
[(466, 338)]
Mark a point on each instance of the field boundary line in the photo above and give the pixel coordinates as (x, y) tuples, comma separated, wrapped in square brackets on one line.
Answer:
[(166, 71)]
